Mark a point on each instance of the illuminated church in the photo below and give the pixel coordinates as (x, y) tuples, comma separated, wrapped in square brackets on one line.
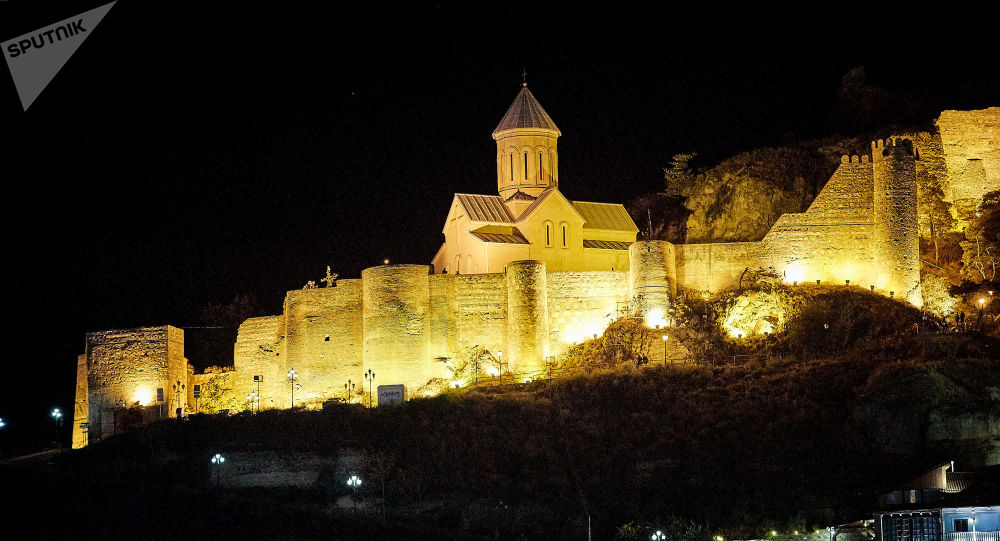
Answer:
[(530, 218)]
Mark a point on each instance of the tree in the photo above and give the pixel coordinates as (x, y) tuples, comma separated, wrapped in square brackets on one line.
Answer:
[(937, 213), (981, 248), (679, 177)]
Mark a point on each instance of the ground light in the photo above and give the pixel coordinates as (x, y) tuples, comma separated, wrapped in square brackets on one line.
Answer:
[(657, 536)]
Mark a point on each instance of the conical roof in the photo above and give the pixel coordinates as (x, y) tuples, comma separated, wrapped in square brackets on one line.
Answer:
[(526, 112)]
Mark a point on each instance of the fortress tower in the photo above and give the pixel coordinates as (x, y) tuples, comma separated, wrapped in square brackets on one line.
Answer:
[(527, 162), (895, 242)]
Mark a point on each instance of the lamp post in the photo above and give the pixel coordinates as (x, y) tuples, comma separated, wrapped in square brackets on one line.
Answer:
[(370, 378), (57, 421), (292, 376), (217, 461), (178, 387), (349, 388), (354, 482), (258, 380), (254, 397), (665, 338)]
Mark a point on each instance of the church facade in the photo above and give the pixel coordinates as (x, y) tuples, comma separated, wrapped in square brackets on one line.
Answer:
[(523, 274)]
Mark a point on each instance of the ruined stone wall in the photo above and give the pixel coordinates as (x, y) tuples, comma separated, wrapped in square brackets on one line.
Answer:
[(323, 340), (894, 233), (652, 280), (260, 351), (443, 307), (396, 324), (81, 409), (714, 267), (481, 311), (127, 366), (527, 316), (971, 147), (581, 304), (831, 241)]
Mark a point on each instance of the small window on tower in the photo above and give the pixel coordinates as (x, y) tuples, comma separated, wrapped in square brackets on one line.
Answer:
[(512, 167), (539, 166), (525, 166)]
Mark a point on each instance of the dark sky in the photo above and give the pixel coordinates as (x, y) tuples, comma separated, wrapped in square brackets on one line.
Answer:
[(189, 153)]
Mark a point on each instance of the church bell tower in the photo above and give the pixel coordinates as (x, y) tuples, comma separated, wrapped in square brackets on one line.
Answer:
[(527, 162)]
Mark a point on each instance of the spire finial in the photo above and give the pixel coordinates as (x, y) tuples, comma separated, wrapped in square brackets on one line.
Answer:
[(524, 77)]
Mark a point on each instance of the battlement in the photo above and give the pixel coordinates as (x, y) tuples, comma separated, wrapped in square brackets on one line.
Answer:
[(854, 158), (891, 146)]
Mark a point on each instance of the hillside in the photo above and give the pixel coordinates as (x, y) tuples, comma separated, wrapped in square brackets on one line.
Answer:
[(731, 449)]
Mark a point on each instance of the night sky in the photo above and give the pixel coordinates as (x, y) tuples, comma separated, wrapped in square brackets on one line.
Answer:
[(188, 154)]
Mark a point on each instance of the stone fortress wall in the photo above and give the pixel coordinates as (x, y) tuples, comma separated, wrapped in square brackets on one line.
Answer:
[(399, 321)]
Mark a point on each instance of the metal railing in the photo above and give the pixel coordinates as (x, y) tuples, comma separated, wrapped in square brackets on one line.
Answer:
[(972, 536)]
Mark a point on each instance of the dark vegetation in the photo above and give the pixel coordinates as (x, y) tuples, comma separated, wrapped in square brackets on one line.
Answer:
[(798, 440)]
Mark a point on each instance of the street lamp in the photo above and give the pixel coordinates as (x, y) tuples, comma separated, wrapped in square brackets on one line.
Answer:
[(57, 420), (292, 376), (500, 371), (178, 387), (665, 338), (254, 397), (657, 536), (354, 482), (349, 388), (370, 378), (217, 461)]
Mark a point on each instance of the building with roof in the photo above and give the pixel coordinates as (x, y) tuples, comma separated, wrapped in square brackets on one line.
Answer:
[(942, 505)]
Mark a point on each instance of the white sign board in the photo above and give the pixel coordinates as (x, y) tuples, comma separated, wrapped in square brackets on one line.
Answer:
[(391, 394)]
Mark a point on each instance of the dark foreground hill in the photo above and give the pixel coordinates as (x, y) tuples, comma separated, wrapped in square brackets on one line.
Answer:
[(726, 450)]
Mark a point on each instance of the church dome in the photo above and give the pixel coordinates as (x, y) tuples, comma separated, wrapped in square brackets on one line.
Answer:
[(526, 112)]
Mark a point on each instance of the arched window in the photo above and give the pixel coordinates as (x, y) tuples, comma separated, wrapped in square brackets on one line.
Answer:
[(548, 234), (563, 227), (512, 167), (539, 166)]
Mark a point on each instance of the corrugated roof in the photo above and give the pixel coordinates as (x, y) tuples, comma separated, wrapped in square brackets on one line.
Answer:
[(515, 237), (958, 481), (538, 201), (485, 208), (526, 112), (520, 196), (609, 216), (606, 244)]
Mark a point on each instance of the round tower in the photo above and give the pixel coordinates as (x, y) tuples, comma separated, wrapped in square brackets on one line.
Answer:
[(527, 317), (395, 313), (527, 161), (894, 240), (652, 280)]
